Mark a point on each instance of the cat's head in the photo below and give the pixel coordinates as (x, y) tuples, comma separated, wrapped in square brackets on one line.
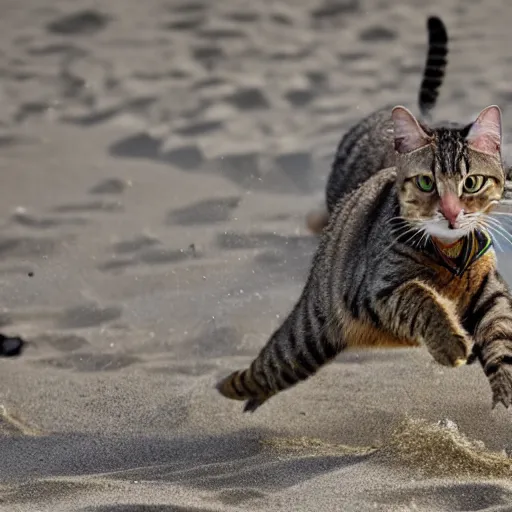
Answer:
[(449, 179)]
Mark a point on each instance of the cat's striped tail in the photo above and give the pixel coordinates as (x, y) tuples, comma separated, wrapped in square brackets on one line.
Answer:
[(435, 65), (295, 352)]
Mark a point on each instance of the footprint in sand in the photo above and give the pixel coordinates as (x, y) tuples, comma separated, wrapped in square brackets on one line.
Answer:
[(27, 247), (207, 55), (377, 34), (135, 244), (208, 211), (61, 342), (39, 222), (145, 250), (85, 22), (161, 256), (287, 172), (185, 23), (243, 16), (263, 240), (90, 207), (188, 7), (108, 186), (250, 98), (300, 97), (330, 10), (86, 315), (199, 128), (221, 33), (90, 362), (142, 145), (74, 348)]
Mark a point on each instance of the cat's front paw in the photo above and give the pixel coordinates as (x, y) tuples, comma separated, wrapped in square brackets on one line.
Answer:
[(500, 378), (453, 351)]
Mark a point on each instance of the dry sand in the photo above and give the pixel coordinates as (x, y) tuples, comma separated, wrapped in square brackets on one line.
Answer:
[(158, 158)]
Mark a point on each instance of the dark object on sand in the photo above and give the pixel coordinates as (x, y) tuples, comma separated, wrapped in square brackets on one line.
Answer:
[(10, 346), (82, 22)]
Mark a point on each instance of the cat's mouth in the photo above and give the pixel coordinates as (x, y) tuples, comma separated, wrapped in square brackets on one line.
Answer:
[(441, 231)]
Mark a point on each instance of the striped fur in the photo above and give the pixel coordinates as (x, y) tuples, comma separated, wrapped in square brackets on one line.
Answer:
[(371, 287), (435, 65), (368, 146)]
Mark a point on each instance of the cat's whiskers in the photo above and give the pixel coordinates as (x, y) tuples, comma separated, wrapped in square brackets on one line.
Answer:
[(469, 221), (423, 239), (495, 235), (398, 217), (403, 226), (400, 237), (496, 222), (411, 238), (403, 230), (497, 231), (506, 214), (504, 220), (495, 226), (489, 229)]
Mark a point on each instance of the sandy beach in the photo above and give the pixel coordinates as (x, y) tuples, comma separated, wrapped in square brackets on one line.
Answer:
[(158, 160)]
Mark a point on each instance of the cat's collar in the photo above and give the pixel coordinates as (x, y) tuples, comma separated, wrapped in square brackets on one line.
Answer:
[(461, 254)]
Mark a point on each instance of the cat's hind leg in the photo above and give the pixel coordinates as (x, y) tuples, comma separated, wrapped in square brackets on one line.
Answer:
[(294, 352)]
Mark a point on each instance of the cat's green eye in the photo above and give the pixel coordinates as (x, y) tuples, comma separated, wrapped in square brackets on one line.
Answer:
[(425, 183), (473, 184)]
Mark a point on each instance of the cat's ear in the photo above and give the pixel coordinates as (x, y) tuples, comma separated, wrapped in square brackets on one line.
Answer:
[(409, 135), (485, 133)]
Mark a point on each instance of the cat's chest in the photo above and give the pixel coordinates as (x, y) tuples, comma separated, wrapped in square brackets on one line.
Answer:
[(461, 289)]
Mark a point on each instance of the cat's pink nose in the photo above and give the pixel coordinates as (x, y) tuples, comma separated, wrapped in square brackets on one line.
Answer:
[(450, 207)]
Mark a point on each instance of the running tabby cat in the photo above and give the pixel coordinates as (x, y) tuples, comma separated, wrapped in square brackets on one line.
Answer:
[(405, 260), (368, 146)]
